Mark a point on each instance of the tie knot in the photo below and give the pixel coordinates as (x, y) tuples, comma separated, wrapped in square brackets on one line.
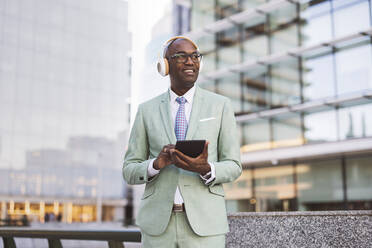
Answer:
[(181, 100)]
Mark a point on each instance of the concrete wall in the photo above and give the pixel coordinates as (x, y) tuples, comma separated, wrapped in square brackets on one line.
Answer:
[(300, 229)]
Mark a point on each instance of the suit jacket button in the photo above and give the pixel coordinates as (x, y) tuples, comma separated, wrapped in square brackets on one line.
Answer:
[(141, 178)]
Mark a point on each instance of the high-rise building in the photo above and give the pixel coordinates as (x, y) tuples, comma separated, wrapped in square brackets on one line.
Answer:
[(299, 75), (64, 109)]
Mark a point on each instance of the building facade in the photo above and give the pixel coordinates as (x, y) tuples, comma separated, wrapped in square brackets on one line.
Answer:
[(64, 109), (299, 76)]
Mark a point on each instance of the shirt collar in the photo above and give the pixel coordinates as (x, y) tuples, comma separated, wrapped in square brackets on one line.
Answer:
[(189, 95)]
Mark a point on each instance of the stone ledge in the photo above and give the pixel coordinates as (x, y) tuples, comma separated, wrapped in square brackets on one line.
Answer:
[(300, 229)]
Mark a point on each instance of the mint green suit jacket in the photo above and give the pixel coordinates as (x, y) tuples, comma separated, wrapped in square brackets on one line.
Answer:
[(212, 119)]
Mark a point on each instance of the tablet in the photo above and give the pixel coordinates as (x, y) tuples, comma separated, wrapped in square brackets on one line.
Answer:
[(191, 148)]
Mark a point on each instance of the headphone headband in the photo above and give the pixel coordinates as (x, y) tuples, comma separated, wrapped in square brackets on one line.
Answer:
[(173, 39)]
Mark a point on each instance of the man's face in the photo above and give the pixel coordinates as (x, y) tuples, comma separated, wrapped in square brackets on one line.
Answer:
[(183, 74)]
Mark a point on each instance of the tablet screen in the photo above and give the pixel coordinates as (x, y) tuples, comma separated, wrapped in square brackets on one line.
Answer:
[(191, 148)]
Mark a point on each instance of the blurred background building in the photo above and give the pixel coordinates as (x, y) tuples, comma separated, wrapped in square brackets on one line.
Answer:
[(298, 72), (299, 75), (64, 109)]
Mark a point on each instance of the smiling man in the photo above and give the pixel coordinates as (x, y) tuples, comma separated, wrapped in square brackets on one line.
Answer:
[(183, 203)]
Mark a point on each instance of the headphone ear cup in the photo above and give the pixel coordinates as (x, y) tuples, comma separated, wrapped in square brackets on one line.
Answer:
[(166, 67), (163, 66)]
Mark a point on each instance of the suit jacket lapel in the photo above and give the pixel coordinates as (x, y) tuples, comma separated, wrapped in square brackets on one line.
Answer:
[(167, 120), (195, 113)]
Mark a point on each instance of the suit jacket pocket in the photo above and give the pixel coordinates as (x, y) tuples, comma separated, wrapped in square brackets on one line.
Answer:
[(217, 189), (148, 191)]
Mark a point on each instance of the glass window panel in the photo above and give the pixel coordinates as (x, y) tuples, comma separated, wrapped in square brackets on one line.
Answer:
[(354, 74), (207, 47), (10, 30), (8, 62), (7, 117), (25, 63), (230, 87), (25, 38), (284, 40), (287, 131), (226, 8), (320, 127), (249, 4), (274, 188), (351, 18), (256, 135), (5, 180), (229, 52), (256, 95), (6, 148), (319, 185), (318, 77), (317, 25), (241, 188), (209, 63), (255, 47), (358, 178), (239, 193), (285, 83), (7, 88), (285, 15), (203, 13), (356, 121), (228, 56)]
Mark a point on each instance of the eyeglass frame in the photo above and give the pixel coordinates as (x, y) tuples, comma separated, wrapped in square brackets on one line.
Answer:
[(188, 55)]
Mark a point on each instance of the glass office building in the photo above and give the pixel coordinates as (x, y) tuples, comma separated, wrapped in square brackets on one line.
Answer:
[(299, 75), (64, 112)]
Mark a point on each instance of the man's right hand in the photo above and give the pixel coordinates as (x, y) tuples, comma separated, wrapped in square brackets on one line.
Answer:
[(164, 158)]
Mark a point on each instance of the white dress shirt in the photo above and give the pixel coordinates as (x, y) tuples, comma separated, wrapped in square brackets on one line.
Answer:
[(189, 95)]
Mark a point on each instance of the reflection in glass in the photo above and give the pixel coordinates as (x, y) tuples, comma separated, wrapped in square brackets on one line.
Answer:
[(358, 180), (207, 47), (239, 193), (354, 74), (285, 83), (283, 16), (356, 121), (249, 4), (287, 131), (230, 87), (274, 188), (203, 13), (226, 8), (319, 185), (316, 27), (256, 135), (318, 76), (255, 47), (256, 95), (229, 49), (350, 16), (320, 127), (229, 55), (62, 104)]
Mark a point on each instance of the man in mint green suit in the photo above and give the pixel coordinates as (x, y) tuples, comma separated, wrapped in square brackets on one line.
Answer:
[(183, 203)]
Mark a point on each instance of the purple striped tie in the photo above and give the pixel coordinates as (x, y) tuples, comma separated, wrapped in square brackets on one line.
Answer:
[(181, 123)]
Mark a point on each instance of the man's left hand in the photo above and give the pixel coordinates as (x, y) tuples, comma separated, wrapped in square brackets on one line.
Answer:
[(199, 164)]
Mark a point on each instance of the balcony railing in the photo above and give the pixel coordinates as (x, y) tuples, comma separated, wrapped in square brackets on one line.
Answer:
[(115, 238)]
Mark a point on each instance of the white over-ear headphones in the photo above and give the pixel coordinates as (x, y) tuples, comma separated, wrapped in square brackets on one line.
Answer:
[(163, 64)]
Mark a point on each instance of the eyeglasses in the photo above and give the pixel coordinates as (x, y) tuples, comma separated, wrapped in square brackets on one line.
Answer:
[(183, 57)]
